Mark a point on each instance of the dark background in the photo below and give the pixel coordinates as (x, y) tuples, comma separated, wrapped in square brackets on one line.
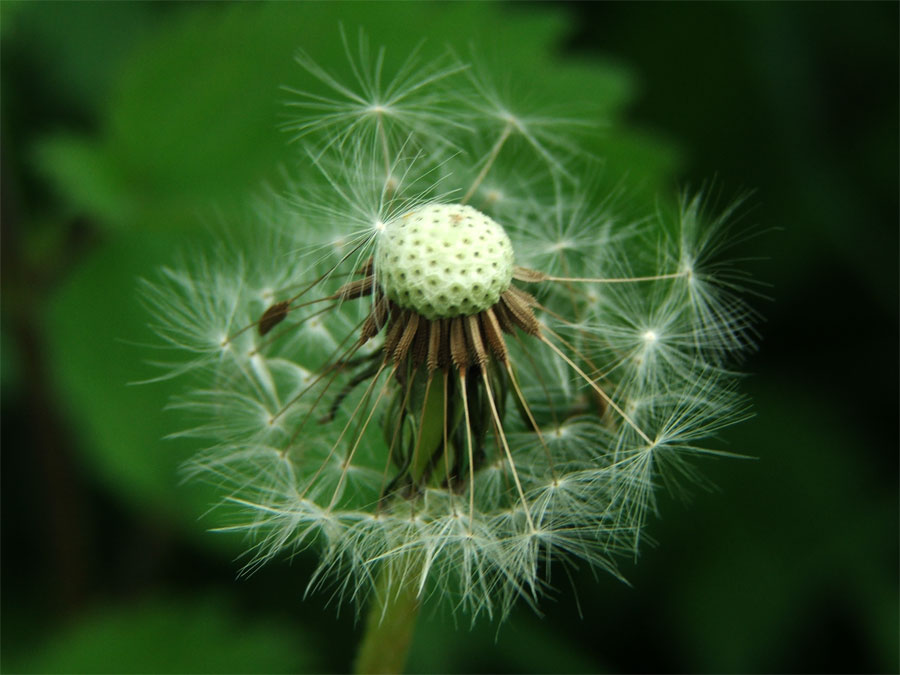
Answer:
[(790, 565)]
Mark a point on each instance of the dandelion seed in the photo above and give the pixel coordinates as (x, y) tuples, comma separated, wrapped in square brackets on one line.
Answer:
[(273, 316), (474, 366)]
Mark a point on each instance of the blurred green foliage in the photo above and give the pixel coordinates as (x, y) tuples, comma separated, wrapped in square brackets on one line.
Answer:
[(132, 130), (201, 635)]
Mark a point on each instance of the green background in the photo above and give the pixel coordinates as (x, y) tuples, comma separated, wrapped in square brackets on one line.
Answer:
[(129, 129)]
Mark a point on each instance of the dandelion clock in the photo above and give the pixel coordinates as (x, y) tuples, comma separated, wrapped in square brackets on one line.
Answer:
[(443, 363)]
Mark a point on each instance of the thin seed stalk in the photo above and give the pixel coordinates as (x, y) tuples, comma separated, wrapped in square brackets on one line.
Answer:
[(391, 621)]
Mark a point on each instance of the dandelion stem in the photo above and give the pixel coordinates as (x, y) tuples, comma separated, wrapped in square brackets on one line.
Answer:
[(397, 598), (391, 621)]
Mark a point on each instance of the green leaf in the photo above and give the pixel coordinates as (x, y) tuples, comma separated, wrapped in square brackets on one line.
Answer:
[(95, 326), (172, 636), (70, 51), (87, 176), (193, 121)]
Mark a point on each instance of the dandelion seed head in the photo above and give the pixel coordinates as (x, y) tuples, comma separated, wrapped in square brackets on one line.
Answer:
[(443, 354)]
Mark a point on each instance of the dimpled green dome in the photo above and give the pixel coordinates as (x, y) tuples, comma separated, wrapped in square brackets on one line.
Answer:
[(444, 260)]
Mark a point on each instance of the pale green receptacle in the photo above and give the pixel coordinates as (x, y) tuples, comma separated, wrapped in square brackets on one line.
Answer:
[(444, 260)]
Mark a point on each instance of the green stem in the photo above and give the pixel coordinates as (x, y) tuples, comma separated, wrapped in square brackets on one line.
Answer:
[(390, 624), (395, 604)]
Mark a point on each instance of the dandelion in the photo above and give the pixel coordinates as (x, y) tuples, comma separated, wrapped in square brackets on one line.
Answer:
[(443, 361)]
